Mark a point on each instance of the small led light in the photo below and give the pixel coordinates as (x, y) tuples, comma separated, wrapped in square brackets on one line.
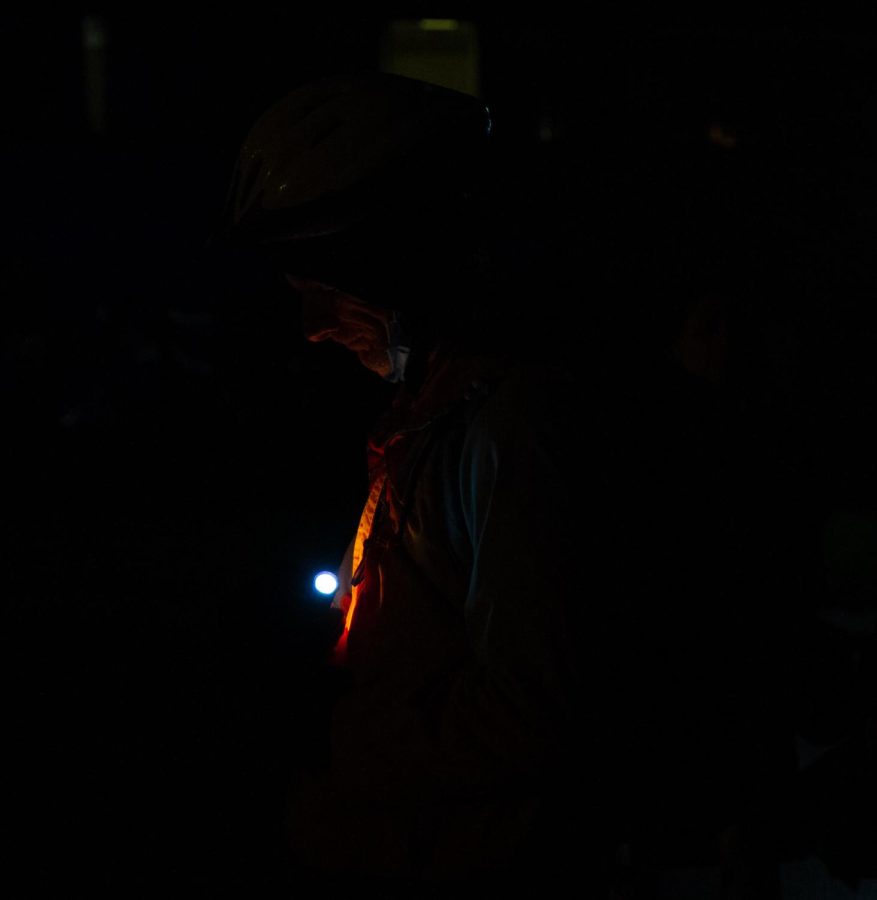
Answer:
[(325, 583)]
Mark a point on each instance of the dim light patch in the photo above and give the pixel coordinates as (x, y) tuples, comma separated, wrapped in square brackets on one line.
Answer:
[(438, 24)]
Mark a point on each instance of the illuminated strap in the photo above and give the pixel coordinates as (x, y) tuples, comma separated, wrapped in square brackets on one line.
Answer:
[(366, 520)]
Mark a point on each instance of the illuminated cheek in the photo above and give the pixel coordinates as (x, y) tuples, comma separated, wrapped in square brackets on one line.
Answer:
[(377, 359), (368, 339)]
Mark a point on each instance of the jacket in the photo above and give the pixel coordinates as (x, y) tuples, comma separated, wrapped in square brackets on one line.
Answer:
[(452, 745)]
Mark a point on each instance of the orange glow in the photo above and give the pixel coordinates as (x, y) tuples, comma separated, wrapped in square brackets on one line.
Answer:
[(351, 606), (720, 135), (339, 651), (348, 602), (362, 532)]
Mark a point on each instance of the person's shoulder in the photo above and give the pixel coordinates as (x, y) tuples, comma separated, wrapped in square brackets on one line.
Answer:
[(528, 403), (542, 389)]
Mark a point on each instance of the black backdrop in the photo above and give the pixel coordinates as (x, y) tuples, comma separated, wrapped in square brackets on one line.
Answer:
[(177, 462)]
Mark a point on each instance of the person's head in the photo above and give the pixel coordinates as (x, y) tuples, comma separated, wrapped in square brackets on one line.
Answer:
[(364, 191)]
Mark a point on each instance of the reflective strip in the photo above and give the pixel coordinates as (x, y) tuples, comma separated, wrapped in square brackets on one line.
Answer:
[(362, 532)]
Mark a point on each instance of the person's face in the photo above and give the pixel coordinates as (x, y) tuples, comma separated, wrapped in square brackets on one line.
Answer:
[(331, 314)]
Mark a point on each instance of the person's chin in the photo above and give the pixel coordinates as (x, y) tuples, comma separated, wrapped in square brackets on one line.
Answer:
[(379, 368)]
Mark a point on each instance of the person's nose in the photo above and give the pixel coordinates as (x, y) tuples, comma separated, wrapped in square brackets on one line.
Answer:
[(318, 319), (317, 324)]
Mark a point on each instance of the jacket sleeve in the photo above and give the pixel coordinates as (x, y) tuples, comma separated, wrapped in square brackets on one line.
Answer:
[(518, 485)]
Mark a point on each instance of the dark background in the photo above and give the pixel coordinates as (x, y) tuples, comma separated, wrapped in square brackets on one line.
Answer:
[(177, 462)]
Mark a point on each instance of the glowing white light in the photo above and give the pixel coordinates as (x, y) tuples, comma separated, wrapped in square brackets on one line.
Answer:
[(326, 583)]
